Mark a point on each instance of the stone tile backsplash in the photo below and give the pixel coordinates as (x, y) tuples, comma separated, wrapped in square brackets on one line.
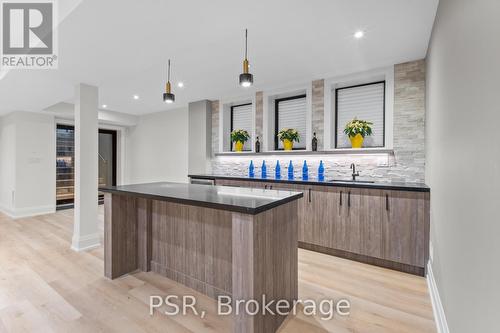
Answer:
[(336, 166), (406, 164)]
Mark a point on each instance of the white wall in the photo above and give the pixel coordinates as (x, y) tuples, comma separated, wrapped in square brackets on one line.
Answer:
[(27, 157), (7, 163), (463, 161), (157, 148)]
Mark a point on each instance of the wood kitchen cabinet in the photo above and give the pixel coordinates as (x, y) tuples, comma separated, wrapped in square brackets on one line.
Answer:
[(347, 235), (325, 212), (371, 206), (389, 228), (405, 227), (347, 219)]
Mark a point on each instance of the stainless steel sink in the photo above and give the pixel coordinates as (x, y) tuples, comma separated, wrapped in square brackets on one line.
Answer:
[(352, 181)]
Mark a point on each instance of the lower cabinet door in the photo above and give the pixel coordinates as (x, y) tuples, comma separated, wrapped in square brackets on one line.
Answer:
[(320, 223), (347, 227), (325, 211), (371, 206), (403, 227), (305, 220)]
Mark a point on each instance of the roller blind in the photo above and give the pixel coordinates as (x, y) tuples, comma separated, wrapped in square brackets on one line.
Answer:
[(242, 119), (291, 113), (364, 102)]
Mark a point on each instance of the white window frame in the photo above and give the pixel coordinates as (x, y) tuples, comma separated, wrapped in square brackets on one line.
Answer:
[(269, 98), (225, 121), (276, 117), (231, 123), (382, 74)]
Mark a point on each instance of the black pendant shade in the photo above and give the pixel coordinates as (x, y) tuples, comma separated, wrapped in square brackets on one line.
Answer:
[(168, 97), (246, 79)]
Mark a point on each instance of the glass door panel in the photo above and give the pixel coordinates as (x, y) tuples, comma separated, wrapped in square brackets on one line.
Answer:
[(65, 171), (65, 163)]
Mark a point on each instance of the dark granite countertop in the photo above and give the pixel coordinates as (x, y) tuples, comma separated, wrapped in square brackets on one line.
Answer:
[(415, 187), (242, 200)]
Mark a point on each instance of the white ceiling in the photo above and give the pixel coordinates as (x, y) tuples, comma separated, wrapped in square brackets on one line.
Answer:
[(122, 47)]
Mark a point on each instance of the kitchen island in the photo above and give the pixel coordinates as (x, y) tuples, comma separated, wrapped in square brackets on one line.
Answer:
[(235, 242)]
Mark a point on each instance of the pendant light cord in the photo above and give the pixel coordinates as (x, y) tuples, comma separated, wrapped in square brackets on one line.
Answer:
[(246, 42), (168, 72)]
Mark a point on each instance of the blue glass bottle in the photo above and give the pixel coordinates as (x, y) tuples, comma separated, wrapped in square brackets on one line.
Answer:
[(263, 170), (321, 172), (290, 171), (305, 171), (277, 170), (251, 169)]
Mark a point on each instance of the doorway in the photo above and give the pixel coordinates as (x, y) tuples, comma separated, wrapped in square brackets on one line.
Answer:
[(107, 160), (65, 163)]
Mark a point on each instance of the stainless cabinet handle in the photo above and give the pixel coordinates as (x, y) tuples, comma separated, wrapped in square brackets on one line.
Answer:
[(341, 198), (309, 195), (387, 202), (349, 199)]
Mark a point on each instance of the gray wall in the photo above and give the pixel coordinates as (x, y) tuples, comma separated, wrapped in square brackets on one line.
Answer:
[(199, 136), (463, 161)]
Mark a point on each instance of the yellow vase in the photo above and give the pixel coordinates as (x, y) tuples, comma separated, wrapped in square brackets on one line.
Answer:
[(287, 144), (356, 141), (238, 146)]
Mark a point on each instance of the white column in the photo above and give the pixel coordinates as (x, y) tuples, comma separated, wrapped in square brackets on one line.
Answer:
[(86, 235)]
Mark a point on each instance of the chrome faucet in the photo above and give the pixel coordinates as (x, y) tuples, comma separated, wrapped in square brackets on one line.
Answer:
[(354, 173)]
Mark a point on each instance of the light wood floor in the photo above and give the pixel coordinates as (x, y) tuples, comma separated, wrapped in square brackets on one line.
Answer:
[(47, 287)]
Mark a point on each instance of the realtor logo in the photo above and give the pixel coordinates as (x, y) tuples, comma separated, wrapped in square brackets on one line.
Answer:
[(28, 35)]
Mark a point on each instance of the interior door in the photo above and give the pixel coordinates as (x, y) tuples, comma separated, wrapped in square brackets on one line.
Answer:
[(107, 159)]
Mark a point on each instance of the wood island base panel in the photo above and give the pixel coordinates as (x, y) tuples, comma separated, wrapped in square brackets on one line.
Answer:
[(213, 251)]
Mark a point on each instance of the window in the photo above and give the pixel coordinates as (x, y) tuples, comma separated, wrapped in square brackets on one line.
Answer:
[(365, 102), (290, 112), (241, 119)]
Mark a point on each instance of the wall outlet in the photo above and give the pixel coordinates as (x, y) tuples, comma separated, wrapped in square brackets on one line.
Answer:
[(431, 252)]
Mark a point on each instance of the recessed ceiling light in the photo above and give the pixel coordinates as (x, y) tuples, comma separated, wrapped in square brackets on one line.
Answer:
[(136, 96), (180, 84), (359, 34), (104, 106)]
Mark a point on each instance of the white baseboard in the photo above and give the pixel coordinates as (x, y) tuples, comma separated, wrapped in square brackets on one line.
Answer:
[(85, 243), (28, 211), (437, 306), (6, 211)]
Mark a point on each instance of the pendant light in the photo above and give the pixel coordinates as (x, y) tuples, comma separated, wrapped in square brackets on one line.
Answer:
[(168, 97), (246, 79)]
